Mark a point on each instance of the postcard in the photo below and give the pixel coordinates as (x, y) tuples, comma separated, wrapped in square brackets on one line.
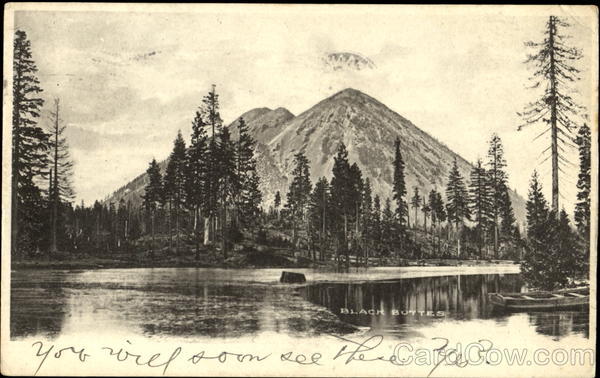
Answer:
[(299, 190)]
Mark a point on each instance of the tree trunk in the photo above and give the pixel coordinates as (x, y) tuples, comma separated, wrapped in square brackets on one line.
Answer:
[(55, 194), (416, 217), (553, 118), (495, 239), (177, 228), (98, 232), (207, 224), (170, 228), (457, 240), (346, 240), (224, 231), (152, 232), (14, 224), (197, 232)]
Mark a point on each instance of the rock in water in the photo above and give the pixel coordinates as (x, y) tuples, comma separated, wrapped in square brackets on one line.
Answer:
[(291, 277)]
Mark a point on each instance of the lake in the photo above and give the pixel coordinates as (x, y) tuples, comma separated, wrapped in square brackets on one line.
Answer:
[(401, 303)]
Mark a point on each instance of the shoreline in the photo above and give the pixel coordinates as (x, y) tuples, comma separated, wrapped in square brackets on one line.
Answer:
[(410, 265)]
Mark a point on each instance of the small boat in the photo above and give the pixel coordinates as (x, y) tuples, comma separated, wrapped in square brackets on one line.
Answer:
[(542, 300)]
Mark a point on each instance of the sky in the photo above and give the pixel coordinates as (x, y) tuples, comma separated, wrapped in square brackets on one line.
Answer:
[(129, 78)]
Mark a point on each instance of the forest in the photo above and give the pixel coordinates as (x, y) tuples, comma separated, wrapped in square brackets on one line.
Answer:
[(205, 208)]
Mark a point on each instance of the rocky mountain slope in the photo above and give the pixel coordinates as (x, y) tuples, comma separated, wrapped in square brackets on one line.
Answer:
[(368, 129)]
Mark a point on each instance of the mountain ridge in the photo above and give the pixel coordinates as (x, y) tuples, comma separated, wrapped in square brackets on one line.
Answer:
[(367, 127)]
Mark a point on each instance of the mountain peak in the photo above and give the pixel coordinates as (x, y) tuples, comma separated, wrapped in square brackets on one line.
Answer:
[(350, 93)]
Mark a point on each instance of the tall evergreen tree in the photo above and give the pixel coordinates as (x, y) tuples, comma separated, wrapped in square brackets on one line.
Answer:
[(434, 215), (342, 199), (152, 196), (553, 61), (457, 205), (319, 208), (480, 202), (60, 190), (389, 224), (249, 197), (497, 186), (399, 186), (229, 183), (356, 192), (426, 210), (537, 207), (196, 174), (29, 149), (416, 204), (211, 116), (367, 219), (277, 202), (584, 182), (298, 193), (507, 217), (175, 183), (376, 221)]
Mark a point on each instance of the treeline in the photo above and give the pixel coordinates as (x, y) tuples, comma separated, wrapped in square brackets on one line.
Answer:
[(341, 216), (207, 200), (41, 189)]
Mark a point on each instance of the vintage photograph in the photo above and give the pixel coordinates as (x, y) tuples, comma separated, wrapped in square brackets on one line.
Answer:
[(299, 190)]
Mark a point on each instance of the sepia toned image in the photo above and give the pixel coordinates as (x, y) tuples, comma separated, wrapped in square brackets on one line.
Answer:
[(299, 190)]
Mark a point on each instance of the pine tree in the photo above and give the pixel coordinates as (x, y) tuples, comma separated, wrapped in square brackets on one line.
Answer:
[(175, 183), (537, 207), (498, 187), (457, 205), (432, 202), (229, 183), (416, 204), (399, 186), (426, 210), (252, 200), (388, 227), (60, 190), (553, 258), (122, 224), (376, 220), (554, 71), (342, 199), (319, 208), (209, 111), (196, 174), (367, 219), (480, 202), (249, 197), (298, 193), (152, 196), (582, 207), (507, 217), (277, 202), (29, 149), (356, 192)]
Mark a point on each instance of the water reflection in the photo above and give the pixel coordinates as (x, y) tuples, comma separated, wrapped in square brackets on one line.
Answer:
[(161, 302), (400, 307), (219, 303)]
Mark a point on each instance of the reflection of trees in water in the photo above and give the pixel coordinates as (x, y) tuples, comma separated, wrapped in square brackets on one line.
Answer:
[(560, 324), (210, 311), (236, 310), (459, 297), (37, 307)]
